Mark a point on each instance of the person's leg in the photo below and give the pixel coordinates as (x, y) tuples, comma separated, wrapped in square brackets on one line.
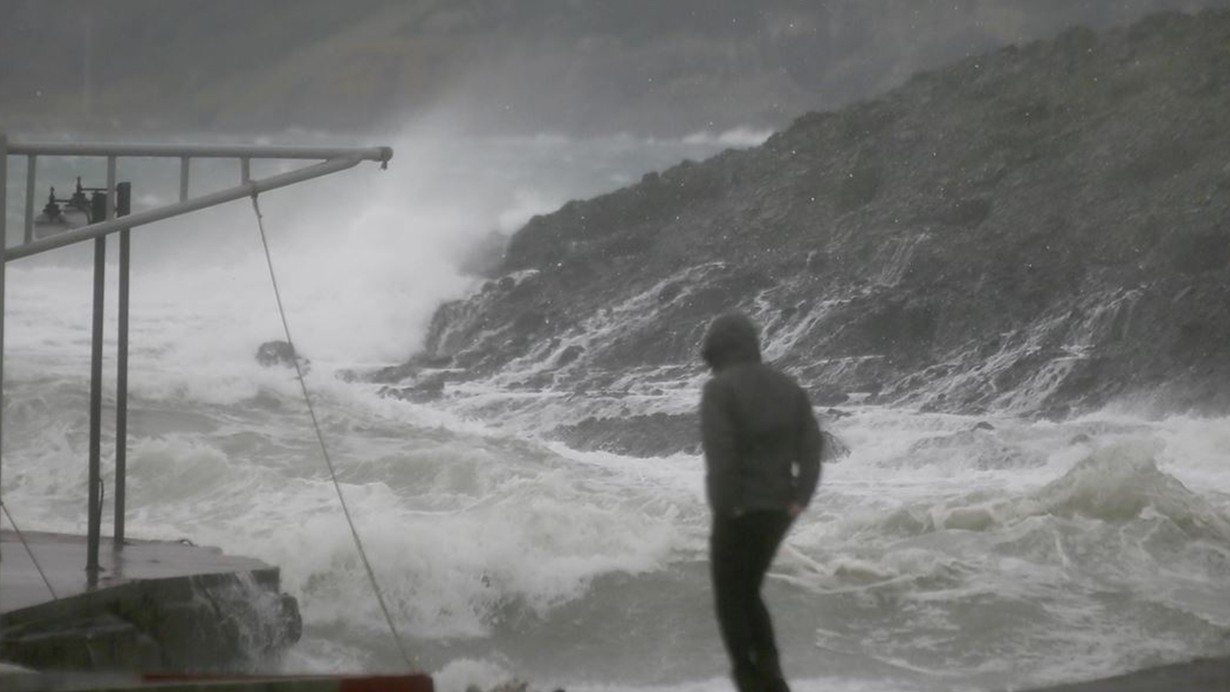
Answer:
[(732, 589), (765, 531)]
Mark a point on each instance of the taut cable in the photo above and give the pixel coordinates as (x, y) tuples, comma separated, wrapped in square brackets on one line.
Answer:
[(320, 438)]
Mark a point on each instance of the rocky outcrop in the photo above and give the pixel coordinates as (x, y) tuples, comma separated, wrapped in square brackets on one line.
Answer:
[(282, 354), (273, 353), (1040, 230)]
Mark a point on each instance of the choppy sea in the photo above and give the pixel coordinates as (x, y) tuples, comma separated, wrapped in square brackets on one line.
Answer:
[(937, 556)]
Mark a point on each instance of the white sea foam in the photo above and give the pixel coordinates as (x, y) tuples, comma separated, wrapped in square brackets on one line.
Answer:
[(740, 137)]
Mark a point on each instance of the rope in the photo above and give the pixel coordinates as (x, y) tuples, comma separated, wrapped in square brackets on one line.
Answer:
[(367, 565), (29, 552)]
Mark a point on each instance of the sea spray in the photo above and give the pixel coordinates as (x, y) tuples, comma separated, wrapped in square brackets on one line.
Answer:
[(937, 555)]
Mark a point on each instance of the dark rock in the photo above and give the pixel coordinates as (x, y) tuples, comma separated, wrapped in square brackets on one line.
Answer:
[(427, 390), (569, 354), (834, 448), (669, 292), (657, 434), (985, 451), (859, 188), (1057, 413), (273, 353), (969, 213), (828, 397)]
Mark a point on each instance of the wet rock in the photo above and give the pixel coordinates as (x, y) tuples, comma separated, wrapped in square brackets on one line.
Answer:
[(425, 391), (273, 353), (569, 354), (834, 448), (828, 396), (512, 685), (281, 354), (1007, 233), (978, 446), (656, 434)]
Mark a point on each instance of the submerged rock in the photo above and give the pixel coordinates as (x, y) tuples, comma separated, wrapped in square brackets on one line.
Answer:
[(834, 448), (653, 435), (657, 434), (273, 353)]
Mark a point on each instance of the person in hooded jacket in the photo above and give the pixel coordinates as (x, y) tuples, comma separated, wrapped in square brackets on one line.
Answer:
[(762, 449)]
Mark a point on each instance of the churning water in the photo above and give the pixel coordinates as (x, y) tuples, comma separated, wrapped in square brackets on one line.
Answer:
[(936, 556)]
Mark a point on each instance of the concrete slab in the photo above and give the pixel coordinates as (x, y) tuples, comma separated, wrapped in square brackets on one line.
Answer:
[(63, 559), (307, 683), (158, 605)]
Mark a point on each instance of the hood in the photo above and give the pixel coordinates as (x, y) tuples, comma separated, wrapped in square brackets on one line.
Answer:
[(731, 339)]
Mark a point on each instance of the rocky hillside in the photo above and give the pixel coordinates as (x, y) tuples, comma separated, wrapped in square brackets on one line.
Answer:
[(1041, 230), (573, 66)]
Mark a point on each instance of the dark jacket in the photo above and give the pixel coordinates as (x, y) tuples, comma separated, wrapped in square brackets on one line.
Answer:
[(761, 441)]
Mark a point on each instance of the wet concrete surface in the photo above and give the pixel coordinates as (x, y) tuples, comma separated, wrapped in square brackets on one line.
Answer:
[(62, 558)]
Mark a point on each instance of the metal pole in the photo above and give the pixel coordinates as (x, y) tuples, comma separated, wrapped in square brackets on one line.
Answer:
[(121, 383), (337, 159), (4, 215), (96, 344), (139, 219), (31, 164), (379, 154)]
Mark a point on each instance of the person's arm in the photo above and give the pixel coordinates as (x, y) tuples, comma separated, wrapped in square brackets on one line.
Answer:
[(718, 441), (811, 446)]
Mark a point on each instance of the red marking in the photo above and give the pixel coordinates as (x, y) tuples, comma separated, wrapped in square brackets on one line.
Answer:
[(345, 683)]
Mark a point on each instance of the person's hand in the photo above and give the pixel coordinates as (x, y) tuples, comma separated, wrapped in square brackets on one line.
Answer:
[(794, 510)]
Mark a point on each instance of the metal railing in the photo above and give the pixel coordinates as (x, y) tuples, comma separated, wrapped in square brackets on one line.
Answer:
[(331, 160)]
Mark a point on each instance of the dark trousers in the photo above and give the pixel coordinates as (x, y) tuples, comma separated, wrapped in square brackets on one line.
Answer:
[(740, 551)]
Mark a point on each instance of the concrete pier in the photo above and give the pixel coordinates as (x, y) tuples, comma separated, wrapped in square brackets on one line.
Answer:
[(158, 606), (30, 682)]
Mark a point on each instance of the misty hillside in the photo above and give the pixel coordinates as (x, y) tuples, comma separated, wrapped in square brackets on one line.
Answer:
[(1041, 230), (578, 66)]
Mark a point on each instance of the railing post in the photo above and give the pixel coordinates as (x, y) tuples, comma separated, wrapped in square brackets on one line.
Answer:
[(335, 160), (96, 230), (31, 168), (121, 378), (94, 535)]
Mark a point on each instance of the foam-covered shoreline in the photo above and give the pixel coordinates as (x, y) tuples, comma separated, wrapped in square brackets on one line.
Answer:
[(1200, 675)]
